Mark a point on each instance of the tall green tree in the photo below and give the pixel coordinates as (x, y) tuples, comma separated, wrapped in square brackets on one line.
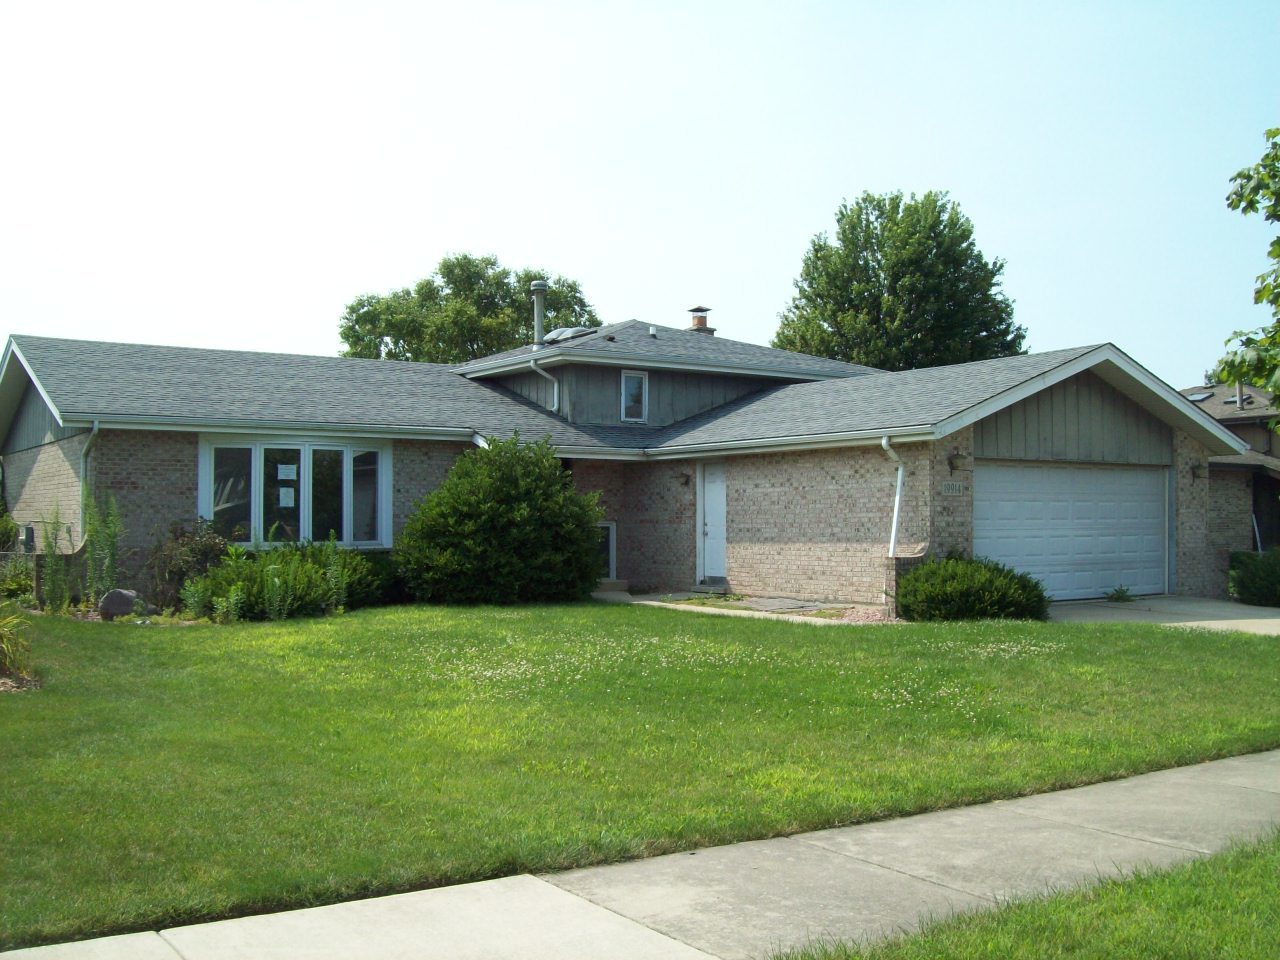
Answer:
[(900, 285), (1255, 357), (470, 307)]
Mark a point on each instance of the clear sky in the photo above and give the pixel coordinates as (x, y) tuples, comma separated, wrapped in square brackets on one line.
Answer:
[(233, 174)]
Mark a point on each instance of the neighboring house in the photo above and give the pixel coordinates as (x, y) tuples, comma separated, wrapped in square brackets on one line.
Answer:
[(1244, 488), (717, 462)]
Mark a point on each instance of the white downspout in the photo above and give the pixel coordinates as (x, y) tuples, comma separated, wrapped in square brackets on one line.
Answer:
[(84, 478), (892, 454), (555, 385)]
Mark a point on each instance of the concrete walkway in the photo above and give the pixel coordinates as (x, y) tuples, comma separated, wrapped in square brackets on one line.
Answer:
[(1170, 611), (1173, 612), (748, 899)]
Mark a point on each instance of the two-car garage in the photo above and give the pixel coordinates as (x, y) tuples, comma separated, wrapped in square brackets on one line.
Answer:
[(1071, 485), (1082, 528)]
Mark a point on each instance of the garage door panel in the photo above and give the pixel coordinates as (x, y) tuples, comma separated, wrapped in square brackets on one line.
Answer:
[(1083, 529)]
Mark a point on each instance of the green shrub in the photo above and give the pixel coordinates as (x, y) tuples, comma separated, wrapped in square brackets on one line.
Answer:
[(291, 580), (377, 582), (15, 648), (196, 597), (8, 532), (183, 555), (958, 589), (102, 530), (1255, 578), (55, 589), (506, 526), (18, 578)]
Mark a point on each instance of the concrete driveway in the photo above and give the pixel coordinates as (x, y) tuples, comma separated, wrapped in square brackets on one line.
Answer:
[(1172, 611)]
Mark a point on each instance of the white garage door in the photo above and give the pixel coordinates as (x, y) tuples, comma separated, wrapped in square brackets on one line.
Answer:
[(1082, 529)]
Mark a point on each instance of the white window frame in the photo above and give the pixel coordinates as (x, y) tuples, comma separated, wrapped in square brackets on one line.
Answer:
[(257, 443), (644, 396), (612, 527)]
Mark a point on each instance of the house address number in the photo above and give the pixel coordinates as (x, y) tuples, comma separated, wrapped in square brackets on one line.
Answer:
[(952, 488)]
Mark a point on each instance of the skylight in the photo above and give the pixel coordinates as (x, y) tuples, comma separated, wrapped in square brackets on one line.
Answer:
[(561, 334), (1201, 397)]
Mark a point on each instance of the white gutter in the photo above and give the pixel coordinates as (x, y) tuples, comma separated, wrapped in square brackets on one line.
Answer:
[(555, 385), (892, 454), (796, 442), (84, 477), (272, 428), (556, 357)]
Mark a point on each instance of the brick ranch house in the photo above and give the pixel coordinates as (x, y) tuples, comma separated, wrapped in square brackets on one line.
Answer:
[(717, 462)]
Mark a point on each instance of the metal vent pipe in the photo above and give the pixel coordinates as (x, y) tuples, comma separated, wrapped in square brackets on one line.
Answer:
[(539, 289)]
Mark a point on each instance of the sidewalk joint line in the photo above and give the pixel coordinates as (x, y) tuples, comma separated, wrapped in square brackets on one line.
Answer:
[(1224, 783), (169, 943), (904, 873), (616, 913), (1113, 833)]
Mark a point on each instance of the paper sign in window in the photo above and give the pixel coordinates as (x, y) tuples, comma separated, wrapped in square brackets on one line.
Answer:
[(287, 471), (286, 497)]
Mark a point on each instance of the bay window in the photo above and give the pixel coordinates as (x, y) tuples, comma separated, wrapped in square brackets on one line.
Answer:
[(257, 490)]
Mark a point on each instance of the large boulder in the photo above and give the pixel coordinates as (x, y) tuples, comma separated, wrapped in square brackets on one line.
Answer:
[(117, 603)]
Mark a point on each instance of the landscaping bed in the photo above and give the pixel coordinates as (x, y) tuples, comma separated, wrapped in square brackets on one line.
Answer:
[(167, 776)]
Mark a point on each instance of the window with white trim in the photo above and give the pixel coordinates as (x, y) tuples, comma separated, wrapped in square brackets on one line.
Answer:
[(635, 396), (268, 490)]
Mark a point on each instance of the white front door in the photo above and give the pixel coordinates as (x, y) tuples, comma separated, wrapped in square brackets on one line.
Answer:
[(714, 511), (1082, 529)]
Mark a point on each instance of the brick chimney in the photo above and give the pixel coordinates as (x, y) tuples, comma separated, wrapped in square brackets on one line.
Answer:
[(699, 323)]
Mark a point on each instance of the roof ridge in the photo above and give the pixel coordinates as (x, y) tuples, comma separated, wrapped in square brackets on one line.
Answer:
[(421, 364)]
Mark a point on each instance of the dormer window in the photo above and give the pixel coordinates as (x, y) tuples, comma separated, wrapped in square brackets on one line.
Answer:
[(635, 396)]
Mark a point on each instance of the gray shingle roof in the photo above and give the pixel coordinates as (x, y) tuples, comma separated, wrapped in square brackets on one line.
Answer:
[(631, 340), (90, 380), (876, 401), (1257, 402)]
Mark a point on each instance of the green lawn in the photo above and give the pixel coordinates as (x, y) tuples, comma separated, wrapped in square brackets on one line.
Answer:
[(169, 774), (1226, 908)]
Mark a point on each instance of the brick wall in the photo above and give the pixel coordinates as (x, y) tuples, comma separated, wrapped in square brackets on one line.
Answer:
[(43, 479), (607, 478), (152, 475), (952, 514), (654, 506), (658, 526), (816, 524), (1230, 519), (1195, 571), (417, 468)]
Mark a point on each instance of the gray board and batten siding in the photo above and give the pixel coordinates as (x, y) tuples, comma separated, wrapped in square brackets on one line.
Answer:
[(593, 394), (34, 425), (1082, 419)]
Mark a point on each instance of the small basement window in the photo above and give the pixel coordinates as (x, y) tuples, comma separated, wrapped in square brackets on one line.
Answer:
[(635, 396)]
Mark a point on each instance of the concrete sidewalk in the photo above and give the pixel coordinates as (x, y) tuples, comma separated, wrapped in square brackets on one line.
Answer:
[(747, 899)]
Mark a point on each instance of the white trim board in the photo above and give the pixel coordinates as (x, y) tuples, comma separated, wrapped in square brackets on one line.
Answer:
[(13, 350)]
